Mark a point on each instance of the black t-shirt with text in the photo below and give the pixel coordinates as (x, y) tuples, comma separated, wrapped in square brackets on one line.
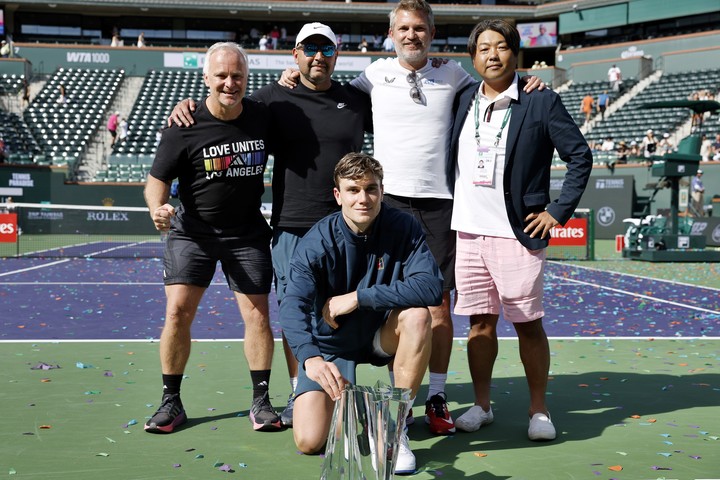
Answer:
[(219, 165)]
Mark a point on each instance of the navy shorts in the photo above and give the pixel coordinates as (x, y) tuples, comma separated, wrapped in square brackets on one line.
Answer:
[(435, 215), (192, 260), (284, 243), (372, 354)]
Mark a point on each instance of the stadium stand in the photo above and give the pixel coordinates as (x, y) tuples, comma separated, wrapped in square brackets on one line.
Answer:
[(630, 122), (63, 124), (20, 145), (130, 160), (572, 97), (10, 83)]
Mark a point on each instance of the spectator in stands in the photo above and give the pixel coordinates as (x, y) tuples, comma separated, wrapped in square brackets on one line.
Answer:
[(367, 268), (608, 145), (363, 45), (377, 42), (705, 148), (614, 78), (4, 49), (116, 41), (3, 151), (665, 145), (141, 40), (603, 101), (309, 115), (263, 43), (649, 144), (26, 93), (697, 192), (112, 126), (219, 163), (622, 153), (274, 37), (634, 149), (388, 44), (697, 117), (504, 240), (122, 129), (586, 107), (715, 151), (62, 98), (339, 41)]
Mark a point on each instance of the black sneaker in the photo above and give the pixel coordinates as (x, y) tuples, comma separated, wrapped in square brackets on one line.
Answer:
[(263, 416), (286, 417), (170, 415)]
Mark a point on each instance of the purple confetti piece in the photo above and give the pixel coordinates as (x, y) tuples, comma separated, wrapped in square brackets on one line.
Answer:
[(176, 465), (225, 468)]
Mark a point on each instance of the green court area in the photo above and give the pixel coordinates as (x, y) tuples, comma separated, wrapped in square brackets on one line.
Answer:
[(84, 245), (624, 409)]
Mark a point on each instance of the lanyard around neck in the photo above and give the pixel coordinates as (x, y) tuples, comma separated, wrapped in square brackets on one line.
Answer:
[(477, 121)]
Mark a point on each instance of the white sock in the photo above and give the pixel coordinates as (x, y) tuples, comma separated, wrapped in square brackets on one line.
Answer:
[(293, 383), (437, 383)]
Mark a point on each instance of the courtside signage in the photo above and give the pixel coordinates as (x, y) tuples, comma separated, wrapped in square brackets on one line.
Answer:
[(8, 227), (574, 233)]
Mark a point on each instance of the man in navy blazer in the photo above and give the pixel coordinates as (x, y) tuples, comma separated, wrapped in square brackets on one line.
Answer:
[(501, 152)]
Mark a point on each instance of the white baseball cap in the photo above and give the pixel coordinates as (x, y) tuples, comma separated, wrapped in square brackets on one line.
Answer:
[(315, 28)]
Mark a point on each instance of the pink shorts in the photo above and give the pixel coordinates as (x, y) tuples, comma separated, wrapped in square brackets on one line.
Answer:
[(491, 272)]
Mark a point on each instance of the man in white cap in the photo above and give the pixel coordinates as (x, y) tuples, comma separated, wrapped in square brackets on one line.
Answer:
[(327, 119)]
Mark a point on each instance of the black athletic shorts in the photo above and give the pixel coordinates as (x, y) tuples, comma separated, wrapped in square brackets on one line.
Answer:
[(192, 260), (435, 215)]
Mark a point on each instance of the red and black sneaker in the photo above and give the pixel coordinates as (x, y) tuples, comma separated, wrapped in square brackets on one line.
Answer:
[(437, 415), (170, 415), (263, 416)]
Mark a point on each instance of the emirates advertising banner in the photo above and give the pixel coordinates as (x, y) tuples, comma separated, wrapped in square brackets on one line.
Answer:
[(574, 233), (8, 227)]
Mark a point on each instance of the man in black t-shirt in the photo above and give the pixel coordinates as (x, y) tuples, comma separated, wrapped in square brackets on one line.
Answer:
[(219, 164), (328, 119)]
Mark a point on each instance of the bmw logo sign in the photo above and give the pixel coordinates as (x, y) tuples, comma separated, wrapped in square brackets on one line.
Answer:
[(605, 216)]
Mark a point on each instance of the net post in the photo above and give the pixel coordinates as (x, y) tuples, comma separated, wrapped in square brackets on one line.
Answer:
[(591, 235)]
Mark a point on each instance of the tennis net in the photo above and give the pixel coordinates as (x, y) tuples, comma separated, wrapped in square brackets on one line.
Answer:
[(49, 230)]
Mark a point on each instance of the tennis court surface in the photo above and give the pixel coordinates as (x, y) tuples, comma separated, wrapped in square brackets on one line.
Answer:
[(634, 388)]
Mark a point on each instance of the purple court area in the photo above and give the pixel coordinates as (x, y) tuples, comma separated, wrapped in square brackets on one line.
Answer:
[(91, 299)]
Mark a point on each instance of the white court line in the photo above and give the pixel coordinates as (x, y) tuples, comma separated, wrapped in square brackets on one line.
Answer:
[(633, 294), (36, 267), (94, 284), (236, 340), (613, 272)]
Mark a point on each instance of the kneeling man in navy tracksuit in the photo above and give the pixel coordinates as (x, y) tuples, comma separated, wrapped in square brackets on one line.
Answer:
[(359, 285)]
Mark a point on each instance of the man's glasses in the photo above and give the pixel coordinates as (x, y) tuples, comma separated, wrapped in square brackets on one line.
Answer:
[(311, 49), (415, 92)]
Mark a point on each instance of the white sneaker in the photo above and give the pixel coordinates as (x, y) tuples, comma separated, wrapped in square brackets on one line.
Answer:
[(541, 428), (405, 463), (474, 418)]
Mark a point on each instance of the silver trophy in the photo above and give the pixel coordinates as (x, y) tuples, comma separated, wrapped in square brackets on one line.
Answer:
[(364, 434)]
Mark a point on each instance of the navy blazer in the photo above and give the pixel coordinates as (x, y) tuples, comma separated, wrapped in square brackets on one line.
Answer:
[(539, 124)]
